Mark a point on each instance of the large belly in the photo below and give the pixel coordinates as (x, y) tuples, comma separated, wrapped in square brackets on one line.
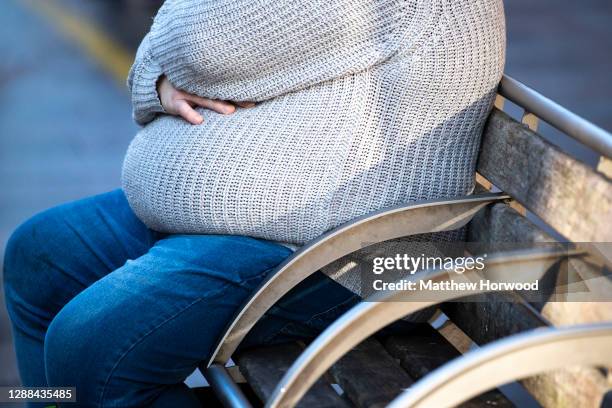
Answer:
[(295, 166), (268, 171)]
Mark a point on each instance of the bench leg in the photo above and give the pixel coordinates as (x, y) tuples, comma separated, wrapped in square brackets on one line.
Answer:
[(225, 388)]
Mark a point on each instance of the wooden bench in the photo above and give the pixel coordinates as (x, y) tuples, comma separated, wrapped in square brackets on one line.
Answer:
[(530, 196)]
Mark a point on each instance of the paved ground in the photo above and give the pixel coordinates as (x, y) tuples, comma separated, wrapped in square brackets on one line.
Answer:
[(64, 126), (65, 122)]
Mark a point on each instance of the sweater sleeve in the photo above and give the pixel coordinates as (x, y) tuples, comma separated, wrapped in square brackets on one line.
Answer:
[(252, 50), (142, 83)]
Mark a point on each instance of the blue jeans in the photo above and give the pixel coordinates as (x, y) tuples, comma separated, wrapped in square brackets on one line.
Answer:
[(99, 301)]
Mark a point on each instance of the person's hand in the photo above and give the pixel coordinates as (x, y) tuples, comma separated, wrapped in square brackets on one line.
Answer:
[(180, 103)]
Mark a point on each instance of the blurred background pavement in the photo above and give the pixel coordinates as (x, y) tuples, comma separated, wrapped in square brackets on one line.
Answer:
[(65, 117)]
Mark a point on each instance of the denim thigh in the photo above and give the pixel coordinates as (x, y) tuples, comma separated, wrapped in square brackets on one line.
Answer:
[(54, 256), (148, 325), (125, 314)]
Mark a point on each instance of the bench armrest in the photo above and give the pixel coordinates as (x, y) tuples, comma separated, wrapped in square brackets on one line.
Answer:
[(395, 222)]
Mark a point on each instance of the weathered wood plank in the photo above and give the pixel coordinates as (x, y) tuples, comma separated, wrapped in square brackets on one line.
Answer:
[(500, 224), (264, 367), (420, 351), (369, 375), (488, 317), (583, 387), (494, 316), (568, 195), (424, 350)]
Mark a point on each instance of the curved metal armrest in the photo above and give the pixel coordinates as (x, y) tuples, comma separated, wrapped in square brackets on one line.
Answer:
[(510, 359), (383, 225), (386, 307)]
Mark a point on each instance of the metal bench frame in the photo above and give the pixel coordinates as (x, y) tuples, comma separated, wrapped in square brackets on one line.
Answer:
[(390, 223), (373, 314), (509, 359), (367, 317), (383, 225)]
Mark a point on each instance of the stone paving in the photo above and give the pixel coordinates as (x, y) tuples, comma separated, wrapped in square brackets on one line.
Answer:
[(65, 124)]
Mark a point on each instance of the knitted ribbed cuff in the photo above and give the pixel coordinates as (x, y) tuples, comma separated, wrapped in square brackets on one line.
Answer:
[(145, 100)]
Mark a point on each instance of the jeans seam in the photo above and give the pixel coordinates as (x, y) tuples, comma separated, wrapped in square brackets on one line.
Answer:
[(138, 341), (152, 330)]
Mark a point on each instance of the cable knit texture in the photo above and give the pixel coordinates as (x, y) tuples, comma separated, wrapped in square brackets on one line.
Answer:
[(362, 104)]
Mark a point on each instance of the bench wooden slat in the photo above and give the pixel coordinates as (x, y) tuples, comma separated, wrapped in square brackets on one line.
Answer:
[(490, 319), (565, 193), (264, 367), (421, 350), (369, 376), (499, 315), (426, 349), (486, 318), (499, 224)]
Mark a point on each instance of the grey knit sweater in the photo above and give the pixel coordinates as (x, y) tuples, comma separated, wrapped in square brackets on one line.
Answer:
[(362, 104)]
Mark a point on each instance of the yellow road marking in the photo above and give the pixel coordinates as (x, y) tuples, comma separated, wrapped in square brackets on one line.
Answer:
[(114, 58)]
